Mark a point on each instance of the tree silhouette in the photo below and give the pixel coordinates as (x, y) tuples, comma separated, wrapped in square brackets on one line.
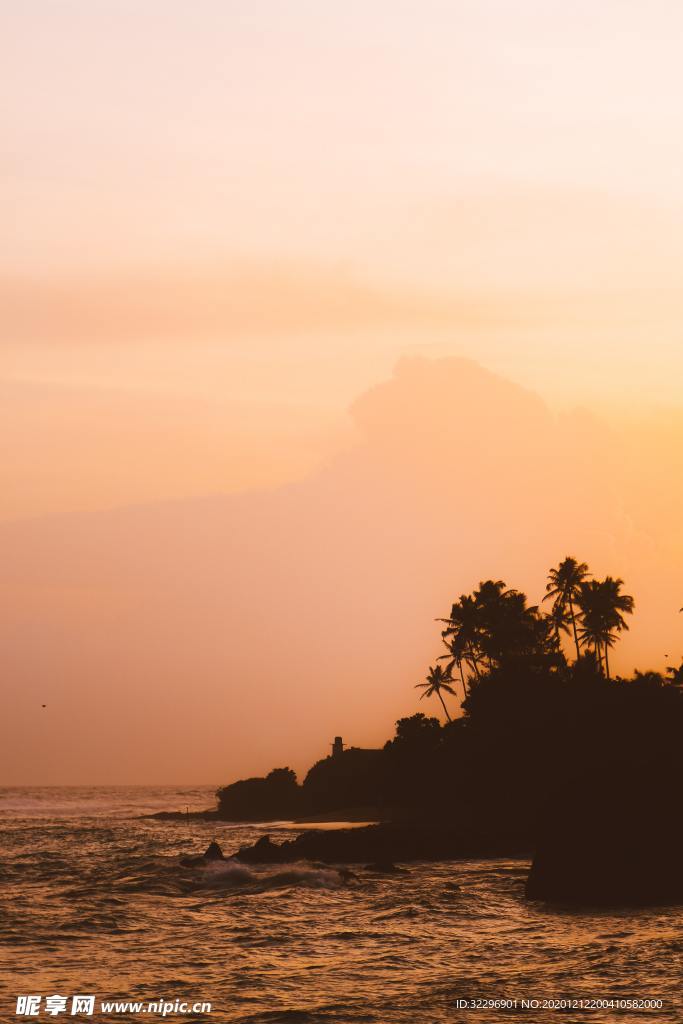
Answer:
[(438, 682), (564, 586), (561, 621), (493, 627), (456, 646), (462, 635), (511, 630), (676, 674), (603, 607)]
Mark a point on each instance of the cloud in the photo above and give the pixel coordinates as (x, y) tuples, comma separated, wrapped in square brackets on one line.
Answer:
[(206, 638), (195, 304), (69, 448)]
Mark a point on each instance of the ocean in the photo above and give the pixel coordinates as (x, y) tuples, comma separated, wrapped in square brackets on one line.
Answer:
[(94, 901)]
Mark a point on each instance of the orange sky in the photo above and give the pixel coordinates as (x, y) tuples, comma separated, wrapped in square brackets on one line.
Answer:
[(223, 234)]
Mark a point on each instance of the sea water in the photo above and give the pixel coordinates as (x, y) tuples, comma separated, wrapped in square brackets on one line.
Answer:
[(94, 900)]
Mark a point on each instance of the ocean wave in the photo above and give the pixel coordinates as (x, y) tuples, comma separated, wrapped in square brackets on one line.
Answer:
[(232, 873), (107, 904)]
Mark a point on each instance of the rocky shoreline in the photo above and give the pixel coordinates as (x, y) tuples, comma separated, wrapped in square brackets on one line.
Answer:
[(602, 867), (382, 843), (364, 815), (183, 816)]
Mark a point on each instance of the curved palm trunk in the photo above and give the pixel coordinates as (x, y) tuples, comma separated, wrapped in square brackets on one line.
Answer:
[(443, 705), (462, 680), (576, 635), (607, 662), (473, 663)]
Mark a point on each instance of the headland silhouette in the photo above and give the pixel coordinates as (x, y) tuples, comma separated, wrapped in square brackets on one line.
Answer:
[(543, 753)]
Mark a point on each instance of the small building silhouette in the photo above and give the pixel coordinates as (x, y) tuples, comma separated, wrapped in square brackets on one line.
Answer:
[(337, 747)]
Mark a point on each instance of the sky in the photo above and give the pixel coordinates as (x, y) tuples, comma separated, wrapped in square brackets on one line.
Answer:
[(229, 228)]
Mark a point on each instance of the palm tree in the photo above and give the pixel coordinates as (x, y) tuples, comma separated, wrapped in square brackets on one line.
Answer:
[(494, 626), (603, 607), (463, 632), (564, 584), (493, 602), (438, 680), (676, 673), (561, 621), (456, 646), (595, 632)]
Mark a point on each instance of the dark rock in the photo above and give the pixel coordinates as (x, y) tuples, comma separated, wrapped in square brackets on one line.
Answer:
[(264, 851), (212, 852), (612, 839), (382, 844), (385, 867)]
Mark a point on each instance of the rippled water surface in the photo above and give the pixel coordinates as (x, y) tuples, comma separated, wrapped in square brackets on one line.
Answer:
[(93, 900)]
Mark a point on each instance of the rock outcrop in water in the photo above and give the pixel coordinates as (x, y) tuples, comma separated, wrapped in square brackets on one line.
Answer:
[(212, 853), (612, 839), (381, 845)]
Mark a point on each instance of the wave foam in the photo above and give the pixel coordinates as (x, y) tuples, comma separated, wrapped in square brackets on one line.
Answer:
[(233, 873)]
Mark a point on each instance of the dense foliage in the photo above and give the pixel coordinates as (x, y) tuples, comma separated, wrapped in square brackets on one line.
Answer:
[(538, 710)]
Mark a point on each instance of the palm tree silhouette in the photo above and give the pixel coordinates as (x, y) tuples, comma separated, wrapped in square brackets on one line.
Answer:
[(561, 621), (563, 586), (494, 603), (456, 646), (676, 673), (495, 626), (438, 680), (603, 607), (463, 633), (509, 628)]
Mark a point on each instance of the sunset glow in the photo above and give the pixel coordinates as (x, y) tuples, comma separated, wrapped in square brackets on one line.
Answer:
[(311, 313)]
